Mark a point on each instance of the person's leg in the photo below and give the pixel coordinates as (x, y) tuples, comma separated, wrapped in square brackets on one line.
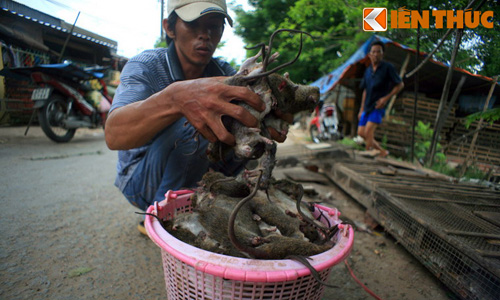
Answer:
[(370, 136), (362, 125), (361, 131), (174, 161), (374, 119)]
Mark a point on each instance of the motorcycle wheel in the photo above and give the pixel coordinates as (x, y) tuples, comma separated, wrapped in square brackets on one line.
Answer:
[(51, 117), (314, 132)]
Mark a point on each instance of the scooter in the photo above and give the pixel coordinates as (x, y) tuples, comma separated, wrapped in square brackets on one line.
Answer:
[(324, 126), (68, 98)]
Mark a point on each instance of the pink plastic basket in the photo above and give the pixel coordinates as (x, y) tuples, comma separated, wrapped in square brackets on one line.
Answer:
[(193, 273)]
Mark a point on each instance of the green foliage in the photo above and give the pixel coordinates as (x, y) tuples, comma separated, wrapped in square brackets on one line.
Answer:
[(161, 44), (479, 49), (234, 64), (424, 134), (335, 25), (473, 172), (424, 130), (350, 143), (422, 145), (337, 28), (489, 116), (384, 141)]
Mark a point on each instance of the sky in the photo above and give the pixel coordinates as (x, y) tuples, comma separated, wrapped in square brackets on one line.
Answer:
[(134, 24)]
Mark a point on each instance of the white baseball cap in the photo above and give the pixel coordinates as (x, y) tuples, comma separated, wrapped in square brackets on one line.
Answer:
[(190, 10)]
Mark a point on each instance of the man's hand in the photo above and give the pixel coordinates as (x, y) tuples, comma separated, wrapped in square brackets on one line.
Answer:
[(381, 102), (204, 101)]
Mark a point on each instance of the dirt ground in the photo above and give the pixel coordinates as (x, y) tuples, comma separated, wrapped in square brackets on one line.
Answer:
[(377, 260), (67, 233)]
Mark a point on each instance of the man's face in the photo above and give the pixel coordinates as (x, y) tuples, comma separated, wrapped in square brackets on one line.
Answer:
[(376, 54), (196, 41)]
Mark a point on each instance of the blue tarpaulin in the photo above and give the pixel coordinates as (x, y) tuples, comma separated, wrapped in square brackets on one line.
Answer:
[(330, 80)]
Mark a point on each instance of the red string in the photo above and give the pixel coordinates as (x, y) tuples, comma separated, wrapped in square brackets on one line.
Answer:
[(360, 283)]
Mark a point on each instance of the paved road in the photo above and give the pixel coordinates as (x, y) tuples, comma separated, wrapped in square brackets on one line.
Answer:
[(60, 214)]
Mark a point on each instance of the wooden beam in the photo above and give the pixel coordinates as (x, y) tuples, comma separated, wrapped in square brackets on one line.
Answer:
[(474, 138), (475, 234), (401, 73), (444, 98), (429, 56), (488, 253)]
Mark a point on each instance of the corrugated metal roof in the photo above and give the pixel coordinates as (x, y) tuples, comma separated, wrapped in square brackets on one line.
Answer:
[(39, 17)]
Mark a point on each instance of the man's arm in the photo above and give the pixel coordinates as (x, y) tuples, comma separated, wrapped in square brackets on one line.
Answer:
[(383, 101), (202, 101)]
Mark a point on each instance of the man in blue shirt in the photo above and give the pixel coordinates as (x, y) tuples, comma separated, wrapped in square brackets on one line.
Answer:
[(167, 95), (379, 84)]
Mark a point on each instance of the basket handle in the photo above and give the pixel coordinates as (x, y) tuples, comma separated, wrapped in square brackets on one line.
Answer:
[(170, 196)]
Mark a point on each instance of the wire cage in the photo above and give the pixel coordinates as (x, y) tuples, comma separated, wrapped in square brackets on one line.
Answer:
[(452, 228), (193, 273)]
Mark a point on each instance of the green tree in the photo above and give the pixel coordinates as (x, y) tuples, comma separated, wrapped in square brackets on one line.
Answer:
[(161, 43), (334, 24), (479, 49), (337, 28)]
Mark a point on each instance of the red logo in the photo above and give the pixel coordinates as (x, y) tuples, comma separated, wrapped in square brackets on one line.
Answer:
[(375, 19)]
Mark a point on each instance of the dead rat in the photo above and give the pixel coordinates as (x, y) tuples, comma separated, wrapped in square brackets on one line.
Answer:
[(278, 246), (296, 192), (279, 93), (274, 246), (216, 183), (206, 226), (216, 199), (276, 216)]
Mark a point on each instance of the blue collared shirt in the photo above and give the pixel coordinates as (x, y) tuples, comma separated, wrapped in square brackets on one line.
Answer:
[(378, 84), (144, 75)]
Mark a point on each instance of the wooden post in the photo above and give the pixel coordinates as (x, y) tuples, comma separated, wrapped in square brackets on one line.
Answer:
[(444, 98), (415, 94), (444, 116), (474, 138), (393, 98)]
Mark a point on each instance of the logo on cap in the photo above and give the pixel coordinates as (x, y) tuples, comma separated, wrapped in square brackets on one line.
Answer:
[(375, 19)]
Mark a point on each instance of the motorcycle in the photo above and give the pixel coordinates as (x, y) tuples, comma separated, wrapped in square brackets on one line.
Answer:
[(67, 98), (324, 126)]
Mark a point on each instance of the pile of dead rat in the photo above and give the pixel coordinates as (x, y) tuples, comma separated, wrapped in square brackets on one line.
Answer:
[(254, 215)]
